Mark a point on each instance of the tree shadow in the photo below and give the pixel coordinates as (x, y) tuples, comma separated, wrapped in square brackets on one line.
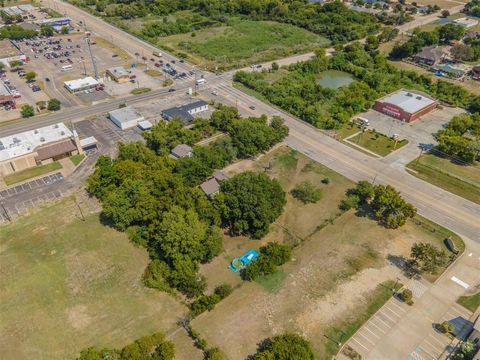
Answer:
[(402, 263)]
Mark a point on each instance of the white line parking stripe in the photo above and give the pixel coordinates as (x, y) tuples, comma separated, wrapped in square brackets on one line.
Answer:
[(386, 307), (371, 332), (436, 348), (386, 324), (378, 327), (363, 336), (434, 338), (388, 317), (397, 306), (359, 343), (428, 353)]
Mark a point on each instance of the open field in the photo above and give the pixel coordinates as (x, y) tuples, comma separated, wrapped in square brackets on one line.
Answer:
[(338, 256), (67, 284), (459, 179), (470, 302), (242, 42), (377, 143), (31, 173)]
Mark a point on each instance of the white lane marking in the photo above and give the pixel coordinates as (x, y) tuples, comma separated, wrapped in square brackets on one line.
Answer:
[(388, 317), (435, 347), (359, 343), (434, 338), (398, 307), (385, 323), (460, 282), (386, 307), (378, 327)]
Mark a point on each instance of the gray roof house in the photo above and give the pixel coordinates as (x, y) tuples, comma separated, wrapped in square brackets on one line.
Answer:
[(210, 187), (185, 113), (431, 55), (181, 151)]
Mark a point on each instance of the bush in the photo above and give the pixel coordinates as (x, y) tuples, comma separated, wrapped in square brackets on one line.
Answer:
[(351, 202), (54, 105), (204, 303), (326, 181), (287, 346), (260, 267), (278, 253), (215, 354), (223, 290), (406, 296), (447, 327), (27, 111), (306, 193)]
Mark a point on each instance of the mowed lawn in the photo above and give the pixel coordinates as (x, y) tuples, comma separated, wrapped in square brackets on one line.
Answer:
[(458, 179), (242, 42), (67, 284), (340, 261), (377, 143)]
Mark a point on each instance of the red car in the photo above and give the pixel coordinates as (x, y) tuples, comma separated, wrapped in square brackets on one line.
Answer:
[(157, 65)]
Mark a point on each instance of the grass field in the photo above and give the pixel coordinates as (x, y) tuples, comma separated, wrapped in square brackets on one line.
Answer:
[(461, 180), (471, 302), (377, 143), (141, 90), (67, 284), (337, 257), (31, 173), (242, 42), (77, 159)]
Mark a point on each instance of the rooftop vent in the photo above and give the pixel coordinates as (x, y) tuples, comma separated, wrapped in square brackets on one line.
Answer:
[(409, 94), (35, 131), (62, 133), (419, 98), (56, 126), (42, 139)]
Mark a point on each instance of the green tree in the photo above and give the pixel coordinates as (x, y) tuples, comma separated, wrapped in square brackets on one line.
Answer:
[(451, 32), (390, 207), (250, 203), (447, 327), (306, 192), (445, 13), (54, 105), (215, 354), (428, 257), (164, 136), (466, 351), (15, 63), (223, 118), (31, 75), (46, 30), (285, 347), (65, 30), (27, 111), (275, 66)]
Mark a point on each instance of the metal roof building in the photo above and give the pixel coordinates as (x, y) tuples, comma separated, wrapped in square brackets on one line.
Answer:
[(185, 113), (405, 105), (126, 118), (78, 85)]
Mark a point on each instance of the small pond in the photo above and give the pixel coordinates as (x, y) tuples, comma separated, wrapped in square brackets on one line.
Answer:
[(333, 79)]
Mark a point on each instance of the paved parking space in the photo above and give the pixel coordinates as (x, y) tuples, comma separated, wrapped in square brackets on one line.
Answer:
[(377, 327), (34, 184)]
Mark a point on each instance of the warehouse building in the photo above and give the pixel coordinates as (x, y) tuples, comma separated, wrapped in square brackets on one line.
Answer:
[(185, 113), (126, 118), (37, 147), (9, 52), (405, 105), (119, 74), (78, 85)]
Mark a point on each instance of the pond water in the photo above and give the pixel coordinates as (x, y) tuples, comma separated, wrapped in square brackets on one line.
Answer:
[(333, 79)]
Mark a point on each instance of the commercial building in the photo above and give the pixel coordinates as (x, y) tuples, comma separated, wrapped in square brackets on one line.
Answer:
[(78, 85), (22, 10), (5, 94), (431, 55), (185, 113), (405, 105), (466, 22), (36, 147), (119, 74), (125, 118), (181, 151), (56, 23), (9, 52)]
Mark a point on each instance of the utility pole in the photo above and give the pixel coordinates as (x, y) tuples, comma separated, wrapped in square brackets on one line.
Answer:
[(7, 215), (79, 208)]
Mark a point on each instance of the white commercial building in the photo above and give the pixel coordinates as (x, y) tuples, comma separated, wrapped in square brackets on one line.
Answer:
[(78, 85), (466, 22), (126, 118), (40, 146)]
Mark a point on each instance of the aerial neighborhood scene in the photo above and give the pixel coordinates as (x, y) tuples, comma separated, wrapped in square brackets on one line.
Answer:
[(240, 179)]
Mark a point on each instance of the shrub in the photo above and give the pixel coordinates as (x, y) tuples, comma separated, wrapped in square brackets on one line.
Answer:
[(351, 202), (204, 303), (306, 192), (407, 296), (278, 253), (261, 266), (223, 290), (447, 327), (326, 181), (54, 105)]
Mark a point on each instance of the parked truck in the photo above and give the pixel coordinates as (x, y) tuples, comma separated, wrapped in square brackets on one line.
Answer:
[(157, 54)]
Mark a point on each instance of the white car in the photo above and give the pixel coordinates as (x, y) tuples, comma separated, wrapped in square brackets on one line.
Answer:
[(215, 92)]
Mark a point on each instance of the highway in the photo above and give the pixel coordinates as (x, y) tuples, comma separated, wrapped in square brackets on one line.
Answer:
[(451, 211)]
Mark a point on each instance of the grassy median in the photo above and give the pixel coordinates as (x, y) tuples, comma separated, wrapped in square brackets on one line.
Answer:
[(31, 173)]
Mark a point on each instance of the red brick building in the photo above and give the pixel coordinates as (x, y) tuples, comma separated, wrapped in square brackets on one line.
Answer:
[(405, 105)]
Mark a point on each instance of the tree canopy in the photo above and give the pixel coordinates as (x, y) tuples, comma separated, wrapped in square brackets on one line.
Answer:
[(285, 347)]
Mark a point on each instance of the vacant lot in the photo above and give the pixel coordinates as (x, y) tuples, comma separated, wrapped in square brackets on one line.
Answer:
[(242, 42), (340, 260), (458, 179), (67, 284)]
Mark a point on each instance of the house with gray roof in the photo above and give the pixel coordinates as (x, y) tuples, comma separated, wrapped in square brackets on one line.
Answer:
[(185, 113)]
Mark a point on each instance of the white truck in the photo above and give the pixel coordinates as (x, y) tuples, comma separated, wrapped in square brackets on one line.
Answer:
[(157, 54), (200, 81)]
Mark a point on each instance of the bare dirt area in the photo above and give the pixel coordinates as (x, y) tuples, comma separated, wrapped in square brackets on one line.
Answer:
[(340, 260)]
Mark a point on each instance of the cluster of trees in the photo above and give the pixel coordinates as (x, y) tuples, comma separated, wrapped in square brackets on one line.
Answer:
[(384, 202), (153, 347), (299, 92), (333, 20), (27, 111), (461, 137), (425, 257), (271, 256), (208, 302), (306, 192), (442, 35), (155, 198), (473, 8), (285, 347), (16, 32)]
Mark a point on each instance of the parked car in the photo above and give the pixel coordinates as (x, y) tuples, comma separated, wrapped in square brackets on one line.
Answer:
[(171, 90)]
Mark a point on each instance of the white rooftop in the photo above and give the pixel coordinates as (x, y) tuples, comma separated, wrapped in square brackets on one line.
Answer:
[(466, 22), (409, 101), (118, 71), (26, 142), (145, 125), (80, 83), (4, 89), (126, 114)]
